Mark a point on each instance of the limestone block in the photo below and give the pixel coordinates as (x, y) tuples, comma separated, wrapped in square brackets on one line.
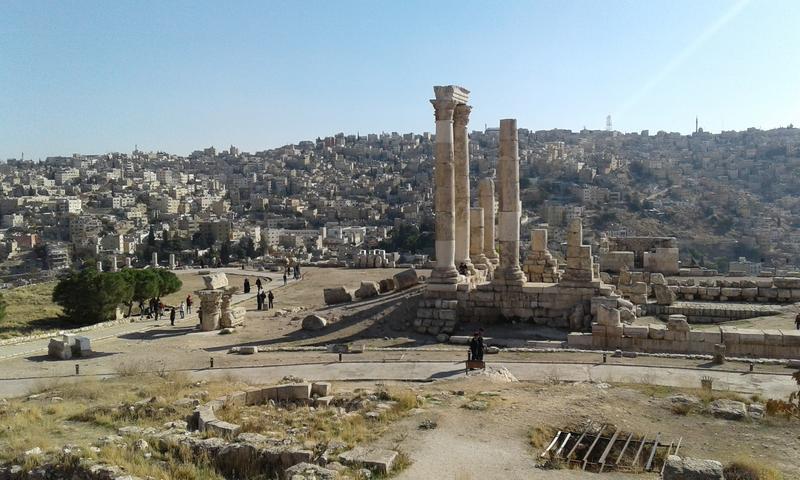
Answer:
[(314, 322), (322, 401), (58, 349), (598, 330), (676, 335), (657, 279), (579, 340), (791, 338), (751, 336), (216, 280), (677, 468), (607, 316), (677, 323), (376, 459), (768, 292), (773, 337), (83, 344), (294, 392), (730, 335), (711, 337), (636, 331), (368, 289), (639, 288), (336, 295), (222, 429), (795, 294), (386, 285), (626, 316), (787, 282), (749, 293), (255, 396), (321, 389), (784, 294), (731, 292), (656, 331), (713, 291), (406, 279)]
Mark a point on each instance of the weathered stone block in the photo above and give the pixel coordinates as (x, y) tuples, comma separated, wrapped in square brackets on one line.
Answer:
[(216, 280), (376, 459), (335, 295), (314, 322), (406, 279), (321, 389), (636, 331), (657, 331), (368, 289)]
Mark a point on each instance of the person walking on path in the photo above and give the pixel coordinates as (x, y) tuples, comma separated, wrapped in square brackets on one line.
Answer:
[(189, 304), (172, 316), (246, 285), (284, 279), (258, 285), (183, 310), (797, 321), (270, 297)]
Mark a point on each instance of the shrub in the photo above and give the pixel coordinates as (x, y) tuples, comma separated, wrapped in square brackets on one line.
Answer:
[(746, 469)]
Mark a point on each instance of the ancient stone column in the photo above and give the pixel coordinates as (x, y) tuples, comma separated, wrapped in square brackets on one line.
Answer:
[(476, 236), (172, 261), (128, 262), (154, 261), (99, 265), (509, 271), (486, 200), (210, 308), (461, 174), (444, 196), (114, 266)]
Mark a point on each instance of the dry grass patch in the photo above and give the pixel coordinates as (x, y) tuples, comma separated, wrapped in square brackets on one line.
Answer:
[(749, 469), (30, 310)]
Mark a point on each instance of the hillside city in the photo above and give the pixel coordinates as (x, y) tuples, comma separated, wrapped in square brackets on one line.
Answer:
[(725, 196)]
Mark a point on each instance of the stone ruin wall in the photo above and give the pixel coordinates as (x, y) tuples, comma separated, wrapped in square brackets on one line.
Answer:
[(609, 333)]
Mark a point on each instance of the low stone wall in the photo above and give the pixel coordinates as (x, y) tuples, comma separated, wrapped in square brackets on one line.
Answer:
[(677, 337), (762, 290), (696, 312)]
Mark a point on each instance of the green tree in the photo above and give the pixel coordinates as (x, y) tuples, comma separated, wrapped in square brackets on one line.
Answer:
[(225, 252), (168, 282), (145, 284), (90, 296)]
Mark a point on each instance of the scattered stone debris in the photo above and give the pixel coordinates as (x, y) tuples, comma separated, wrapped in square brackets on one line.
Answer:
[(428, 424), (728, 409), (336, 295), (477, 405), (376, 459)]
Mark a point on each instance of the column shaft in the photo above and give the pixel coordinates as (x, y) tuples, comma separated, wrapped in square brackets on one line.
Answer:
[(461, 173), (444, 198), (486, 198), (509, 270)]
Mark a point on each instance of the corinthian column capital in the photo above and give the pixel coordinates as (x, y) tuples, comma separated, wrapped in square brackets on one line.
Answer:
[(443, 109), (461, 115)]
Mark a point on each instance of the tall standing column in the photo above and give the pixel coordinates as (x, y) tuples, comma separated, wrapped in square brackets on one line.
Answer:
[(486, 200), (476, 238), (461, 173), (509, 271), (444, 199)]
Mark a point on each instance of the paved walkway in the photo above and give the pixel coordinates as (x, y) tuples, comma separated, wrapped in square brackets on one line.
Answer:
[(768, 384), (96, 335)]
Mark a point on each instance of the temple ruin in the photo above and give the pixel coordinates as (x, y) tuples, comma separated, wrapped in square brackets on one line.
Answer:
[(470, 280)]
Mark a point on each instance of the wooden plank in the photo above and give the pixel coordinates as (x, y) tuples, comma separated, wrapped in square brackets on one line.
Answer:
[(588, 452), (580, 439), (653, 452), (678, 446), (624, 447), (663, 465), (563, 444), (607, 450), (639, 451), (555, 439)]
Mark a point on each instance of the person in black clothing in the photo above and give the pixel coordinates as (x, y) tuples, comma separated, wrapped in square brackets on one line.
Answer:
[(259, 298), (258, 284), (797, 321), (172, 316), (270, 297), (476, 347), (246, 285)]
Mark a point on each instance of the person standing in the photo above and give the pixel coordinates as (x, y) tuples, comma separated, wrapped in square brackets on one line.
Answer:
[(258, 285), (797, 321), (189, 304), (246, 285), (172, 316), (476, 346), (270, 297), (284, 279), (259, 299), (183, 310)]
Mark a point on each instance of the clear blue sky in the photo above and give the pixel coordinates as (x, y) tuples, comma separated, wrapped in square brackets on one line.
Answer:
[(94, 77)]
